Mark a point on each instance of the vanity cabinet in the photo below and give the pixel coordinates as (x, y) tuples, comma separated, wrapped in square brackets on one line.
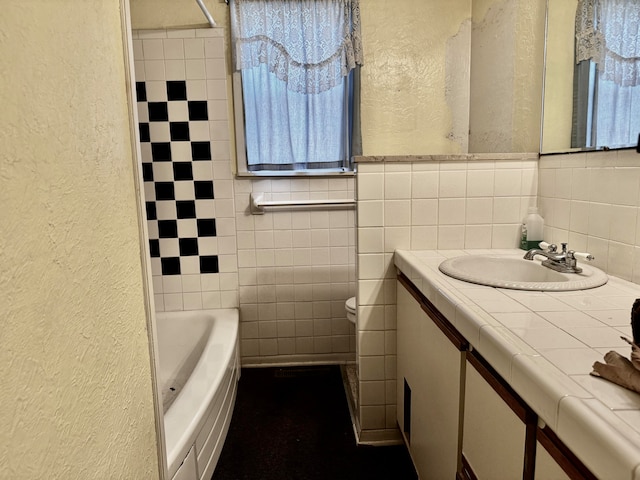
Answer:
[(459, 418), (430, 367)]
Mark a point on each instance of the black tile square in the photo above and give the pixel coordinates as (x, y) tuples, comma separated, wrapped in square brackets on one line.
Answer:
[(201, 150), (154, 248), (170, 266), (168, 228), (209, 264), (188, 247), (151, 211), (161, 152), (145, 136), (203, 189), (165, 191), (206, 227), (176, 90), (158, 112), (198, 110), (147, 172), (182, 171), (179, 131), (141, 91), (186, 208)]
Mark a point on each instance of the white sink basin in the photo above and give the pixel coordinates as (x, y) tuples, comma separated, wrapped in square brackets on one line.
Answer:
[(518, 274)]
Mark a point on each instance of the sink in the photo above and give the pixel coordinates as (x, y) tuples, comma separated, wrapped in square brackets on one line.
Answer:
[(518, 274)]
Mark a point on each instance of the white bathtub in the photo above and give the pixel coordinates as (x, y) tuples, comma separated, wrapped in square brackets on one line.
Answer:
[(199, 370)]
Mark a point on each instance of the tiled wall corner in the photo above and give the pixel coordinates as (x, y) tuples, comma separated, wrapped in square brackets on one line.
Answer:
[(184, 134), (423, 205), (591, 200), (296, 270)]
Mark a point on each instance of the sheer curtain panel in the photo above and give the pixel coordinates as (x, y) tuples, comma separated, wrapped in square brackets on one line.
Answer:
[(296, 58)]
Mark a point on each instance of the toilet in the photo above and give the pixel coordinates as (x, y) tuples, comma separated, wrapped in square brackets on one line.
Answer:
[(350, 307)]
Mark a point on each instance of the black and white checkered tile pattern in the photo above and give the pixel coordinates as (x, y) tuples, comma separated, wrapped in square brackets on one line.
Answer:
[(176, 167)]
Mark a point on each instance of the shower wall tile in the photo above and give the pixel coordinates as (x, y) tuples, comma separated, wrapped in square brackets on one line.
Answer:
[(185, 162)]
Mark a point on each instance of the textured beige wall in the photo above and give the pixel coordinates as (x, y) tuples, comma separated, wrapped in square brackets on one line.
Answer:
[(404, 81), (76, 390), (558, 94), (527, 108), (157, 14), (507, 54)]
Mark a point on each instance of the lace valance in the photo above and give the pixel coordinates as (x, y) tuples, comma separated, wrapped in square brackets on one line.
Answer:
[(309, 44), (608, 32)]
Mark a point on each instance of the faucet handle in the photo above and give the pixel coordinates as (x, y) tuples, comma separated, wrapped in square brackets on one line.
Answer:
[(583, 256), (550, 247)]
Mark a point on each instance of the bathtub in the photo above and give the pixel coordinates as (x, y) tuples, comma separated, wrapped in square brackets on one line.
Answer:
[(199, 370)]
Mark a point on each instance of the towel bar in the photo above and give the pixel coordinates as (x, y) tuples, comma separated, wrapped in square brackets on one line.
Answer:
[(257, 205)]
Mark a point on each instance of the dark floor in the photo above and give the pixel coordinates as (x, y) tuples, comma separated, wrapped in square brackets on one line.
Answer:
[(294, 423)]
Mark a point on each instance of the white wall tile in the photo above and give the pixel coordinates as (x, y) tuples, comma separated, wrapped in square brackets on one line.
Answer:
[(373, 393), (372, 417), (152, 49), (627, 185), (425, 184), (480, 183), (424, 238), (579, 217), (507, 183), (371, 213), (599, 218), (397, 213), (506, 210), (154, 70), (452, 184), (478, 236), (370, 186), (424, 212), (479, 211), (371, 342), (620, 260), (397, 238), (451, 211), (451, 237), (397, 185), (601, 184)]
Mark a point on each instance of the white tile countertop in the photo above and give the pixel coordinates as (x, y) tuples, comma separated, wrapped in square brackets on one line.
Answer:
[(544, 344)]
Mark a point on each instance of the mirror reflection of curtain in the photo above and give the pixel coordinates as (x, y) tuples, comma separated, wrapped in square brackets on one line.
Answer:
[(607, 99)]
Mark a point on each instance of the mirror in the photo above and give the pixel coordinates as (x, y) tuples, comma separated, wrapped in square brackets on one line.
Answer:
[(594, 104)]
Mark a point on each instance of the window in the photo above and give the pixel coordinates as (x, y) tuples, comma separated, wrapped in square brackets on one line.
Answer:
[(296, 85), (607, 74)]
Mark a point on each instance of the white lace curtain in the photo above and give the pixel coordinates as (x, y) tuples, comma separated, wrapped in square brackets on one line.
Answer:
[(608, 32), (311, 58)]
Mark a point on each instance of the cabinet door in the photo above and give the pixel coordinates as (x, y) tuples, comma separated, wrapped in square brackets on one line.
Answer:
[(494, 435), (554, 460), (546, 467), (431, 366)]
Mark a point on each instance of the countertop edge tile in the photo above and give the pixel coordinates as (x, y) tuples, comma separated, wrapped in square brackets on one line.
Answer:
[(578, 419)]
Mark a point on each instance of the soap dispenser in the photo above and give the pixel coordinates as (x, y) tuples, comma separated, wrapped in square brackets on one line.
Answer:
[(532, 227)]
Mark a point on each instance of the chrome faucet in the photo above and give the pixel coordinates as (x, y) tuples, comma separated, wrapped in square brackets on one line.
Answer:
[(564, 261)]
